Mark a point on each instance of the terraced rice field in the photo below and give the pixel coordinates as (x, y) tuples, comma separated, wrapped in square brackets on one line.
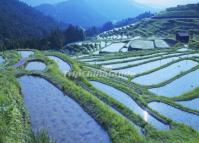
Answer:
[(63, 66), (142, 44), (123, 65), (192, 104), (161, 44), (176, 114), (179, 86), (166, 73), (35, 66), (173, 74), (1, 60), (50, 109), (116, 47), (152, 65), (26, 54), (150, 106), (130, 103), (109, 62)]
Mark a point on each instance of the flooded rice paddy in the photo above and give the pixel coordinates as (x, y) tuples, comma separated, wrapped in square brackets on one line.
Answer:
[(40, 66), (165, 73), (62, 117), (152, 65), (179, 86), (176, 114), (192, 104), (130, 103), (26, 54), (1, 60), (63, 66), (116, 47)]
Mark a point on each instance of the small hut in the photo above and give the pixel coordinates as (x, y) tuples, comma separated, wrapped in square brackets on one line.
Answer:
[(183, 37)]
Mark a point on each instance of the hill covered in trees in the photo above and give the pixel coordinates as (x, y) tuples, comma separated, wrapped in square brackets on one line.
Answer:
[(21, 26), (18, 20), (181, 11), (163, 26), (93, 31)]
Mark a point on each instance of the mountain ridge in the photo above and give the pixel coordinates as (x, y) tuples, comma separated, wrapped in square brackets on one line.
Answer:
[(91, 13), (73, 12), (18, 20)]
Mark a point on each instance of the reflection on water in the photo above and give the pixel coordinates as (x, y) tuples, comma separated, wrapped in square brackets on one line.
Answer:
[(62, 117), (130, 103), (1, 60), (35, 66), (176, 114), (165, 73), (63, 66), (180, 86), (25, 54)]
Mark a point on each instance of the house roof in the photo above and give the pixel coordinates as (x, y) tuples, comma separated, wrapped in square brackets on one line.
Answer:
[(183, 34)]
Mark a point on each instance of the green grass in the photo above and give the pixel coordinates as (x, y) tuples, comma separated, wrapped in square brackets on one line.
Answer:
[(15, 128), (41, 137), (176, 134), (166, 28), (119, 129), (13, 121), (161, 58)]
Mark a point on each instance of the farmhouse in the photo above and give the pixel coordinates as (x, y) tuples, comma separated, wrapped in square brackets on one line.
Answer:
[(182, 37)]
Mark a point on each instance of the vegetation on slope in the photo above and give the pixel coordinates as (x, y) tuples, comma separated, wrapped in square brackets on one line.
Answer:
[(165, 27), (14, 119), (118, 128), (158, 27), (18, 20), (181, 11)]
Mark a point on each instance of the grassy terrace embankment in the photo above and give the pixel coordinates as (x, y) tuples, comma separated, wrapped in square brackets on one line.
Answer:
[(163, 83), (13, 122), (96, 103), (118, 128), (176, 134), (14, 119)]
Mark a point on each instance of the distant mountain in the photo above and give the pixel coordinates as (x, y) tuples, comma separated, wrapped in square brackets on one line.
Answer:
[(18, 20), (89, 13), (77, 12), (133, 20), (118, 9)]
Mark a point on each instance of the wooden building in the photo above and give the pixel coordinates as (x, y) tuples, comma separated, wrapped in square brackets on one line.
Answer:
[(183, 37)]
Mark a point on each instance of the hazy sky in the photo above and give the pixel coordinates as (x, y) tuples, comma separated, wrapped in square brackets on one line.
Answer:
[(165, 3), (151, 3)]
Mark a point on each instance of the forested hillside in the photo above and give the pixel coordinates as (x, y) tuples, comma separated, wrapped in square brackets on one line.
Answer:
[(18, 20), (181, 11)]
